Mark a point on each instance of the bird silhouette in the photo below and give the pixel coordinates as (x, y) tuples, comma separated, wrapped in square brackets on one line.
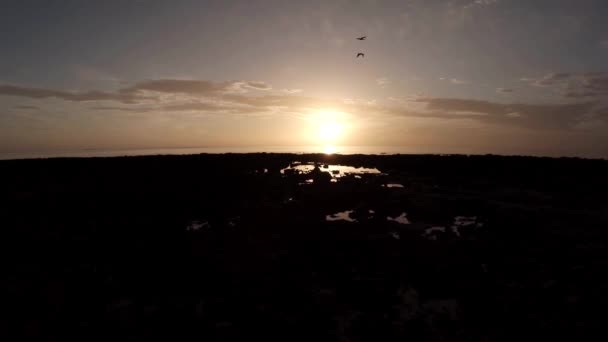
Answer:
[(362, 38), (360, 54)]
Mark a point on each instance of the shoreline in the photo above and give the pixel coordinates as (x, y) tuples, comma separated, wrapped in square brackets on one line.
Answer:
[(114, 154)]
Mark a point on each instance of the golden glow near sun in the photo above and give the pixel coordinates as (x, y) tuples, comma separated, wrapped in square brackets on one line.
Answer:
[(329, 149), (328, 129), (329, 126)]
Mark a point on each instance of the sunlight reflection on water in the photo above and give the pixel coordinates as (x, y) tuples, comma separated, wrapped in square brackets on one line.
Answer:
[(341, 216), (335, 170), (399, 219)]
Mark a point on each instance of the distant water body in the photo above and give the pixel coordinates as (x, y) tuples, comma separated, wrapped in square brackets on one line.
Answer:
[(198, 150)]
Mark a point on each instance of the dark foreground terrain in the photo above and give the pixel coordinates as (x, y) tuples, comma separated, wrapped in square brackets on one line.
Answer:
[(228, 247)]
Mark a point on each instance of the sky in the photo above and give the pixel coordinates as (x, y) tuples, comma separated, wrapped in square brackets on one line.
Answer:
[(444, 76)]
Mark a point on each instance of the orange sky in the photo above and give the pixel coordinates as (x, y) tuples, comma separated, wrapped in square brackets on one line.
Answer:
[(443, 76)]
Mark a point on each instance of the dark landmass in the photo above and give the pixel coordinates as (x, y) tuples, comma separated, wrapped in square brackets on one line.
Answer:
[(226, 247)]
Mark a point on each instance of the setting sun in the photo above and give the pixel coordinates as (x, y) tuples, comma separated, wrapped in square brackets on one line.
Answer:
[(328, 127), (329, 149), (330, 131)]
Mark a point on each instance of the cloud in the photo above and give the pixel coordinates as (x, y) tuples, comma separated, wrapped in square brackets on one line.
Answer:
[(550, 79), (531, 116), (124, 109), (457, 81), (602, 113), (596, 82), (25, 107), (579, 85), (206, 97), (360, 102), (587, 85), (207, 107), (460, 105), (191, 87), (383, 82), (255, 85), (140, 91), (504, 90), (194, 87), (92, 74), (292, 91), (453, 80), (558, 116), (259, 85), (480, 3), (580, 94), (547, 80), (213, 107), (42, 93), (405, 98)]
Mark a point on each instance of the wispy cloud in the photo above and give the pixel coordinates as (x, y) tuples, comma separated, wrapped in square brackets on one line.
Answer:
[(548, 80), (92, 74), (140, 91), (477, 3), (207, 97), (589, 85), (561, 116), (504, 90), (42, 93), (292, 91), (27, 107), (574, 85), (257, 85), (195, 87), (406, 98), (382, 82), (455, 81)]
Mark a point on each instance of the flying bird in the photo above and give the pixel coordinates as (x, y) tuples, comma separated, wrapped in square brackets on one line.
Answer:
[(360, 54), (362, 38)]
